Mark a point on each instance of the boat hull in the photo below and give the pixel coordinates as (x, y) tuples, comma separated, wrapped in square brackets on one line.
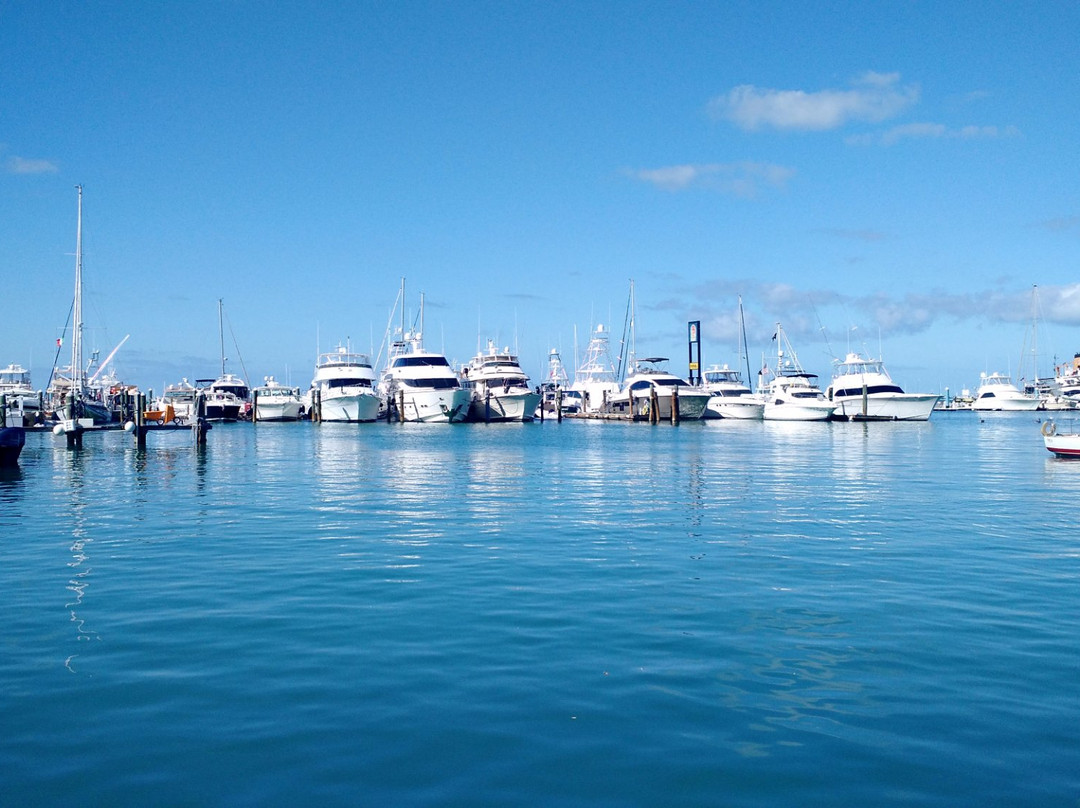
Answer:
[(12, 440), (444, 406), (887, 407), (791, 411), (359, 407), (278, 411), (1063, 445), (735, 409), (1000, 404), (504, 407)]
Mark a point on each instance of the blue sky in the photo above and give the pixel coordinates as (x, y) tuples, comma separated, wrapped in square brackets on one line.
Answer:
[(894, 177)]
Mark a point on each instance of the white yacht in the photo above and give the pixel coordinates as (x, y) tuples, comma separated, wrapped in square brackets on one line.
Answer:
[(223, 398), (730, 397), (997, 393), (649, 384), (344, 387), (421, 386), (596, 380), (792, 394), (15, 387), (862, 389), (274, 401), (181, 397), (499, 387)]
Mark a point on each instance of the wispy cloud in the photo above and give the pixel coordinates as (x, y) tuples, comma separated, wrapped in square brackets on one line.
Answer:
[(932, 131), (1063, 224), (802, 310), (744, 179), (874, 97), (853, 235), (24, 165)]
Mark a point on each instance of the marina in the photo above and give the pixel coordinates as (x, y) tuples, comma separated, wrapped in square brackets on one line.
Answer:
[(588, 611)]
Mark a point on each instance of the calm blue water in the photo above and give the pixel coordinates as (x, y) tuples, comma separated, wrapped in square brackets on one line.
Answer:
[(549, 614)]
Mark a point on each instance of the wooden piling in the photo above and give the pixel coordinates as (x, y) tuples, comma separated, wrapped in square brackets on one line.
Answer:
[(254, 406), (558, 405), (401, 406), (675, 405), (654, 406)]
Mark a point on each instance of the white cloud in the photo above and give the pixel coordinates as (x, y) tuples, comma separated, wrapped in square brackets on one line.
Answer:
[(874, 97), (742, 179), (23, 165), (928, 131)]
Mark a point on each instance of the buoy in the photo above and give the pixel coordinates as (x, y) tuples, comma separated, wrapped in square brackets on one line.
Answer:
[(129, 426), (58, 429)]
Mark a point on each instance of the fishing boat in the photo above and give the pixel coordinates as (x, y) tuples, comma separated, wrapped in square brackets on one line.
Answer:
[(1062, 444), (555, 393), (997, 393), (729, 395), (596, 379), (419, 385), (343, 388), (863, 390), (791, 394), (273, 401), (499, 387)]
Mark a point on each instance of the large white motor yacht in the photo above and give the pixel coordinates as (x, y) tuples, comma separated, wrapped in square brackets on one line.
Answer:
[(730, 397), (650, 385), (421, 386), (499, 387), (997, 393), (862, 389), (344, 387)]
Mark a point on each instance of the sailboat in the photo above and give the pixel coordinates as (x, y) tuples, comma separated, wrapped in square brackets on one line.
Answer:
[(227, 395), (72, 395)]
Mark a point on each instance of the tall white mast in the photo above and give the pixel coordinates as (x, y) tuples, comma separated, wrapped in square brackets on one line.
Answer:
[(221, 335), (76, 341)]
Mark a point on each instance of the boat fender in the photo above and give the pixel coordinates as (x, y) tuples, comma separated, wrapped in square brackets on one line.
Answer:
[(1048, 429)]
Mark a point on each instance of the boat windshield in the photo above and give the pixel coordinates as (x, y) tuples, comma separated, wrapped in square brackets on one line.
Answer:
[(421, 361), (434, 384)]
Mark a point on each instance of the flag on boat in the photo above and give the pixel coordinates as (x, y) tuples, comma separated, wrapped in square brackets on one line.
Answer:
[(59, 341)]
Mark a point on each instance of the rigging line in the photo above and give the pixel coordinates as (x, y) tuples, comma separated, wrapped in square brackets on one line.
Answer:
[(237, 346), (60, 345), (628, 325), (821, 325)]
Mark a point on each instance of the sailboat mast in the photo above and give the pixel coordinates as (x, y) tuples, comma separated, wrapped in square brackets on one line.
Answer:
[(745, 348), (76, 341), (221, 335)]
